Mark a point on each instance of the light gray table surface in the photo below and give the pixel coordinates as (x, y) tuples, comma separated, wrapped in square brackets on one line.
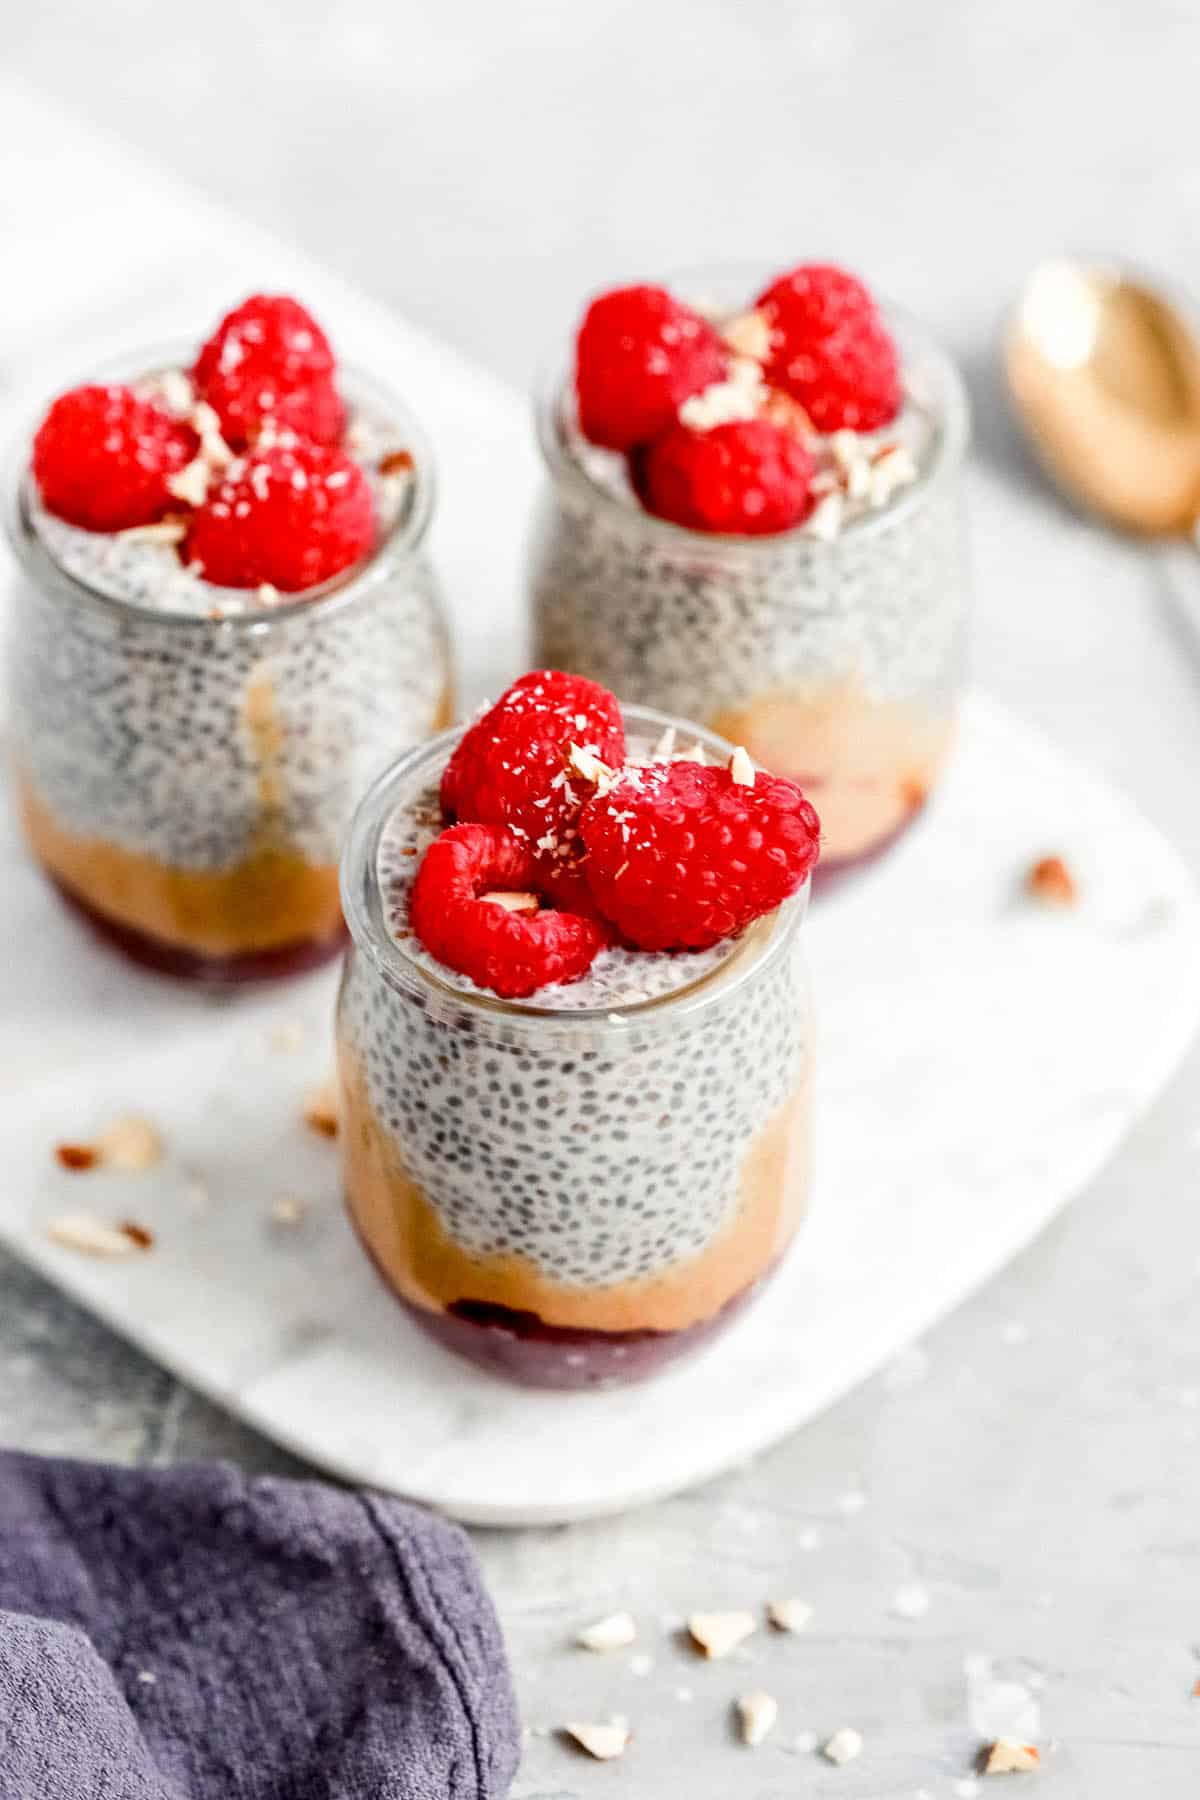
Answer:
[(480, 167)]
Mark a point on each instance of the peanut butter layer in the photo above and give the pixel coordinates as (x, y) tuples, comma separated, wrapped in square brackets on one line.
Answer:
[(416, 1254), (865, 764), (266, 902)]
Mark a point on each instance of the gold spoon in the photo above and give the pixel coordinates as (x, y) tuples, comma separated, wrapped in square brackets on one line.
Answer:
[(1105, 373)]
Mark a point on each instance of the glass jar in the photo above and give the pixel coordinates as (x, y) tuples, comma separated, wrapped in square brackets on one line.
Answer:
[(186, 779), (838, 663), (569, 1195)]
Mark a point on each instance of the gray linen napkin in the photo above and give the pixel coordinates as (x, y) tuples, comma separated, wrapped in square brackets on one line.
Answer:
[(190, 1634)]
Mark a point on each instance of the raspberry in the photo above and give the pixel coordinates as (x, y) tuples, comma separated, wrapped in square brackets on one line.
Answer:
[(830, 349), (293, 516), (102, 458), (512, 952), (269, 360), (639, 355), (749, 476), (511, 767), (680, 856)]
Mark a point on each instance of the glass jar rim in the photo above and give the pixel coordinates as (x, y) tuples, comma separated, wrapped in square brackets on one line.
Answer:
[(949, 446), (401, 540), (363, 907)]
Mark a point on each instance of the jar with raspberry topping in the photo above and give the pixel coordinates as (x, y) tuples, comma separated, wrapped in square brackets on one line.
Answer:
[(573, 1188), (832, 647), (187, 753)]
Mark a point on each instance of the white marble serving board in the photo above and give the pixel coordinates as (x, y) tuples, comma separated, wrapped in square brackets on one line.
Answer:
[(980, 1056)]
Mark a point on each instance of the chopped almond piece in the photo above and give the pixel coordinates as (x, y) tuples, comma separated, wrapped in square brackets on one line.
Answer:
[(585, 762), (789, 1615), (604, 1742), (190, 484), (787, 413), (321, 1109), (717, 1634), (741, 768), (749, 334), (76, 1156), (1008, 1756), (92, 1237), (757, 1714), (396, 462), (511, 901), (131, 1144), (160, 531), (207, 426), (825, 519), (1051, 881), (616, 1632)]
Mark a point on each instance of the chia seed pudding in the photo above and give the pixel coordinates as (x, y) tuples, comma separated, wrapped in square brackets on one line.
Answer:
[(188, 756), (575, 1188), (833, 651)]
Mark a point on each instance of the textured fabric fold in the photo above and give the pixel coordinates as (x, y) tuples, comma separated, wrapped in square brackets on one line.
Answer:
[(191, 1634)]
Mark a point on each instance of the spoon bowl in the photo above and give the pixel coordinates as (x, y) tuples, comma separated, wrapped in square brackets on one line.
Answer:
[(1104, 371)]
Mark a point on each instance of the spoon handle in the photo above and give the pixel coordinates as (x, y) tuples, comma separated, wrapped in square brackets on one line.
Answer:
[(1179, 563)]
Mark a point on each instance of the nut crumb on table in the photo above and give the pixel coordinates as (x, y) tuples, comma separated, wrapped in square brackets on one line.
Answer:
[(1008, 1756), (757, 1714), (614, 1632), (603, 1742), (718, 1634), (129, 1144), (321, 1108), (1051, 881), (96, 1237)]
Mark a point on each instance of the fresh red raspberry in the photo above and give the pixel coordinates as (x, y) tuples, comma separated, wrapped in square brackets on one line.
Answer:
[(512, 952), (102, 458), (680, 856), (749, 476), (511, 768), (638, 357), (291, 516), (830, 349), (269, 360)]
